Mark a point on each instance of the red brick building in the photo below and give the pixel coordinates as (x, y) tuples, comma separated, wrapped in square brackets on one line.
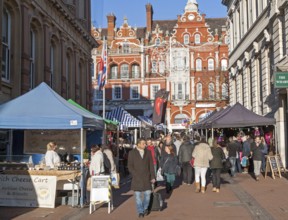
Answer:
[(188, 57)]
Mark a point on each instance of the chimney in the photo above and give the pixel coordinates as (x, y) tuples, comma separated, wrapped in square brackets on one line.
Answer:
[(111, 25), (149, 17)]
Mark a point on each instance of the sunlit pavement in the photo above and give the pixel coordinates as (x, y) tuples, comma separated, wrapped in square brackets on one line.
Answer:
[(240, 197)]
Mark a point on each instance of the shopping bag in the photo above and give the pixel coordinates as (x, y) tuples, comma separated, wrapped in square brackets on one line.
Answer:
[(159, 175), (115, 180), (245, 161), (192, 161)]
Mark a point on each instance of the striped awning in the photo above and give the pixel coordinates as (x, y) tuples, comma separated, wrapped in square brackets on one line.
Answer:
[(123, 117), (146, 120)]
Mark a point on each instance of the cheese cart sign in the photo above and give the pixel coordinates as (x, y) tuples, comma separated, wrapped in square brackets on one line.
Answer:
[(27, 191)]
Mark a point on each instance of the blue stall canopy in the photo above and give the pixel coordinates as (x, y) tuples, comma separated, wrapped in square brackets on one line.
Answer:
[(123, 117), (43, 108)]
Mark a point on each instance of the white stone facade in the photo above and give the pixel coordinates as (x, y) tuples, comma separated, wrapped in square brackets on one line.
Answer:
[(258, 46)]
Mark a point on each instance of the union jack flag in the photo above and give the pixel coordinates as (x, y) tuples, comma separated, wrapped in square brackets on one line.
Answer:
[(103, 67)]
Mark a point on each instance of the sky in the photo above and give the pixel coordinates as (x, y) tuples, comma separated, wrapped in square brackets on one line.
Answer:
[(135, 10)]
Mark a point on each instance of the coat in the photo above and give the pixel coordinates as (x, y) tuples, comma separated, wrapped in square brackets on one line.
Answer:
[(168, 163), (202, 154), (185, 152), (109, 154), (218, 157), (141, 169)]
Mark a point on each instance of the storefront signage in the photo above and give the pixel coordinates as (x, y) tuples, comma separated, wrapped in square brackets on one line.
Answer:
[(281, 80), (27, 191)]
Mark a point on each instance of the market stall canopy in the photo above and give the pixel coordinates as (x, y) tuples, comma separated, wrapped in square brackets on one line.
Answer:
[(123, 117), (107, 121), (146, 120), (238, 116), (43, 108)]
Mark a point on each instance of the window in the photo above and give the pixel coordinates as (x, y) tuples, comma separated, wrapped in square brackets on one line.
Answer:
[(157, 41), (199, 91), (210, 64), (162, 67), (134, 92), (224, 91), (67, 68), (186, 39), (180, 118), (114, 72), (180, 91), (154, 66), (117, 92), (135, 71), (98, 94), (124, 71), (224, 65), (198, 64), (6, 38), (32, 58), (197, 39), (226, 40), (126, 47), (211, 91), (153, 90)]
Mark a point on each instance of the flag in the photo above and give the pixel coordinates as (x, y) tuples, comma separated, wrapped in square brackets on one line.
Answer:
[(102, 75), (160, 105)]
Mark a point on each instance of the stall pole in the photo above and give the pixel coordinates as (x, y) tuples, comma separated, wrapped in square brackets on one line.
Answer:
[(275, 140), (82, 168), (117, 144), (135, 135), (206, 134), (212, 134)]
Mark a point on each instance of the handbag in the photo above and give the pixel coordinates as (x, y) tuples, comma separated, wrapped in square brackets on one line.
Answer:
[(227, 164), (160, 175), (115, 180), (192, 161)]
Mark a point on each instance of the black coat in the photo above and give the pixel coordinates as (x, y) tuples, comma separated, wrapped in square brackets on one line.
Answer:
[(218, 157), (141, 169)]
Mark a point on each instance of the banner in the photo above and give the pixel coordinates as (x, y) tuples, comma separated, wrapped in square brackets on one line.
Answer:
[(102, 75), (160, 105)]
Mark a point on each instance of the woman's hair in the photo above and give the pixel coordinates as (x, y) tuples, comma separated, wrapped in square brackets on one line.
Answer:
[(161, 142), (171, 149), (95, 148), (51, 146)]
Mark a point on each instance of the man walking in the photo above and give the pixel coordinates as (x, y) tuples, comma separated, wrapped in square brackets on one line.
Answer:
[(140, 165)]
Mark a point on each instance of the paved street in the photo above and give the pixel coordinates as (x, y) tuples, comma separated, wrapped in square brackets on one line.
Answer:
[(240, 198)]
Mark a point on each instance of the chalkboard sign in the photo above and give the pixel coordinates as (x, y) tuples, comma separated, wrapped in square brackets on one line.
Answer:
[(280, 163), (272, 166)]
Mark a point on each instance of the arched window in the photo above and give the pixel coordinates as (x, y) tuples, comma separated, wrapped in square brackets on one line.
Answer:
[(197, 39), (210, 64), (224, 64), (6, 44), (211, 91), (157, 41), (224, 91), (199, 91), (114, 72), (135, 71), (162, 67), (198, 64), (124, 72), (186, 39)]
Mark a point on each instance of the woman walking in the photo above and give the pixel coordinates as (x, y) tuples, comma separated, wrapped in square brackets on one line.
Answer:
[(168, 164), (202, 154), (216, 165)]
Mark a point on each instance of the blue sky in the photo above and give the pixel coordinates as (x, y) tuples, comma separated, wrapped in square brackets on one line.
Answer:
[(135, 10)]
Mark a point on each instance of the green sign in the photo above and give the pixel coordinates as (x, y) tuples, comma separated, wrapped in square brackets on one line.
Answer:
[(281, 80)]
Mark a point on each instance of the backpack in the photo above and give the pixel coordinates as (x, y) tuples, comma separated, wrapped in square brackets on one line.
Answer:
[(107, 164)]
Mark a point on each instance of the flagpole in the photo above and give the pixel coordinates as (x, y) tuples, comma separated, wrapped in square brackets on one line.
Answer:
[(104, 94)]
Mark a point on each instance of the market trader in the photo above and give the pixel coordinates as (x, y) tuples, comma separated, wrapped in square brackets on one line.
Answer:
[(140, 165), (52, 159)]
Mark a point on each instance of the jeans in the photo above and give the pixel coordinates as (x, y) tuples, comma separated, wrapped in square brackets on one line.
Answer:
[(257, 167), (233, 163), (187, 172), (216, 180), (170, 179), (201, 171), (142, 203), (238, 165)]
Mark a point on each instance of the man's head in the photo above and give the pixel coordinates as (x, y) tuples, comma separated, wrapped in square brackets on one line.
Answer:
[(149, 142), (257, 140), (141, 143)]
